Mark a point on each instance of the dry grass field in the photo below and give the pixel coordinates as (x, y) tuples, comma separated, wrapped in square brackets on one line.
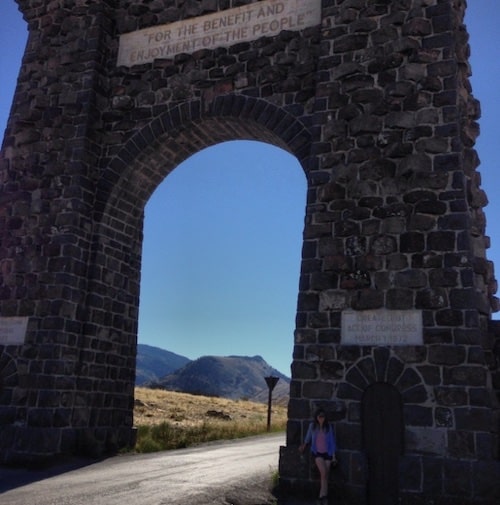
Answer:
[(153, 406), (168, 420)]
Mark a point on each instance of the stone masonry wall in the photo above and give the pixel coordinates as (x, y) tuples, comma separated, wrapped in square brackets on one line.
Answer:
[(395, 221), (375, 104)]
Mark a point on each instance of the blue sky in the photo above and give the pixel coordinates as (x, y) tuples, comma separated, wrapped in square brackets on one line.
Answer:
[(223, 232)]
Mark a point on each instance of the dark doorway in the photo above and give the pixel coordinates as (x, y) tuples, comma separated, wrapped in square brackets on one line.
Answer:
[(383, 437)]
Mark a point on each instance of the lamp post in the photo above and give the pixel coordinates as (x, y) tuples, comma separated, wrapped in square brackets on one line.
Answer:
[(271, 382)]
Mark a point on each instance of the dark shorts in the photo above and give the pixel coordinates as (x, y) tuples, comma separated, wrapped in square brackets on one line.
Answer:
[(323, 455)]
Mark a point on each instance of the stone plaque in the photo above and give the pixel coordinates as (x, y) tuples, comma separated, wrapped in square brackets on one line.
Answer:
[(221, 29), (381, 327), (13, 330)]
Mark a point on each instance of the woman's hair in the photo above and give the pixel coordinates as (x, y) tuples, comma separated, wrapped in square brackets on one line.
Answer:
[(325, 424)]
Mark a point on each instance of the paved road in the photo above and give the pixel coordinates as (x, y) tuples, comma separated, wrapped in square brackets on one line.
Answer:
[(204, 475)]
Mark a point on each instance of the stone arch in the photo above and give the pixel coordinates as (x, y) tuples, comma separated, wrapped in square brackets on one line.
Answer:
[(185, 129), (373, 100), (383, 365), (126, 182)]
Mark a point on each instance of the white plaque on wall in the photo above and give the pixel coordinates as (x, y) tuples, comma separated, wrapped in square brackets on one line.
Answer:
[(13, 330), (220, 29), (381, 327)]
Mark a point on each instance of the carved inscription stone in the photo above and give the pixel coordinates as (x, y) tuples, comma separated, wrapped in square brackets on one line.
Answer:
[(13, 330), (381, 327), (222, 29)]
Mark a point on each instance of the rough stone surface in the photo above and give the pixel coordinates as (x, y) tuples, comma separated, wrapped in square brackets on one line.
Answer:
[(375, 103)]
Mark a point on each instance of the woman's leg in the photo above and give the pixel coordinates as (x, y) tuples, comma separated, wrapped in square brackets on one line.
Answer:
[(328, 464), (324, 469)]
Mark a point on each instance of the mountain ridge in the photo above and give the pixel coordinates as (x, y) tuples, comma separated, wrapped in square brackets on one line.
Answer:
[(154, 362), (233, 377)]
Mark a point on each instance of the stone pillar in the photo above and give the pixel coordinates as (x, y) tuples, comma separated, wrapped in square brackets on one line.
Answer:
[(395, 221), (69, 388)]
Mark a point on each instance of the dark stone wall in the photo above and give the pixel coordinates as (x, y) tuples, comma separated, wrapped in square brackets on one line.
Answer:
[(376, 105)]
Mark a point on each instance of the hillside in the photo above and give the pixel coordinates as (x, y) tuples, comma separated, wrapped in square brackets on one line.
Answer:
[(153, 363), (153, 406), (233, 377)]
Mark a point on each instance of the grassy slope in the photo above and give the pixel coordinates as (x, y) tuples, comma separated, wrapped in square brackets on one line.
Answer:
[(153, 406), (168, 420)]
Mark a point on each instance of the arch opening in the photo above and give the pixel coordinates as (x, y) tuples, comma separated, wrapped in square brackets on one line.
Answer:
[(221, 254)]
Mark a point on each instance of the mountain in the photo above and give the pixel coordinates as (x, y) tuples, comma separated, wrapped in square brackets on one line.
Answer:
[(233, 377), (153, 363)]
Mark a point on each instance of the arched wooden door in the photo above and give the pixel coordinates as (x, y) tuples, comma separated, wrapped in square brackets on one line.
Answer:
[(383, 437)]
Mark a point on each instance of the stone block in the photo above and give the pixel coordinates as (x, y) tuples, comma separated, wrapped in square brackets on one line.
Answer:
[(416, 415), (365, 124), (457, 480), (465, 375), (331, 370), (432, 298), (432, 467), (485, 479), (446, 277), (399, 299), (425, 440), (304, 370), (451, 396), (448, 355), (412, 242), (416, 394), (461, 444), (332, 300), (448, 317), (411, 279), (348, 392), (350, 435), (411, 473), (383, 244), (317, 389), (367, 299), (474, 419), (443, 417)]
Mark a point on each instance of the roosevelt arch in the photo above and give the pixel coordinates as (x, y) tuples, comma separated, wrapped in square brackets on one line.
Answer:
[(381, 116)]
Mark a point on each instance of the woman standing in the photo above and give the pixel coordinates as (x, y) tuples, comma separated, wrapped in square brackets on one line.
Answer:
[(323, 445)]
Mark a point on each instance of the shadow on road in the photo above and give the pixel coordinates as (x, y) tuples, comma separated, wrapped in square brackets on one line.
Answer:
[(12, 477)]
